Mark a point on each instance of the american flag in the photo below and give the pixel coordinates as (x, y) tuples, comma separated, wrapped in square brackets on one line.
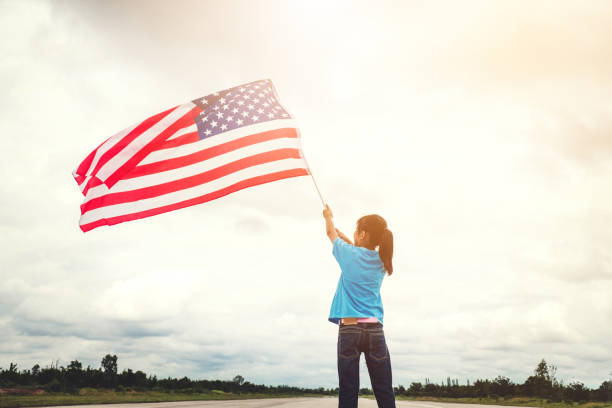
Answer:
[(192, 153)]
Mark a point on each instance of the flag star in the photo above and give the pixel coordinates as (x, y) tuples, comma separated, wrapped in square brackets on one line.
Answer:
[(246, 97), (207, 132), (251, 91), (254, 118), (219, 115), (266, 104), (235, 110), (240, 103), (250, 107), (222, 100), (205, 119), (229, 118), (245, 114), (260, 110), (225, 107), (256, 87), (260, 95), (270, 115), (215, 107), (213, 123), (285, 115), (223, 126), (204, 101), (242, 90), (255, 100), (239, 122)]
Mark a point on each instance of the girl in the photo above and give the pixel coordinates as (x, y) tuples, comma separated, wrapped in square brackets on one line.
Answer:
[(357, 307)]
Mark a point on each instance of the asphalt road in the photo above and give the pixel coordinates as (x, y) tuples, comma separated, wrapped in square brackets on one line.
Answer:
[(325, 402)]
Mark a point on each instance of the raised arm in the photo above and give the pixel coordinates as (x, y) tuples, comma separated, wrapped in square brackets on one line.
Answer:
[(343, 237), (330, 229)]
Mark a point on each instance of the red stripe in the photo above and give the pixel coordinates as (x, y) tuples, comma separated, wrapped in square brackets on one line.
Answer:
[(179, 141), (84, 166), (188, 182), (93, 182), (185, 120), (206, 154), (266, 178), (127, 139)]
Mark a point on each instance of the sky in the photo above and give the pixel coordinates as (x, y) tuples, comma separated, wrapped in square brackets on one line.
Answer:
[(481, 131)]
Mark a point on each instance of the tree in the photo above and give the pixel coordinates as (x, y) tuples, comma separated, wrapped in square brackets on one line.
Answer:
[(75, 365), (577, 392), (540, 384), (604, 393), (502, 386), (36, 369), (238, 379), (109, 365), (416, 388)]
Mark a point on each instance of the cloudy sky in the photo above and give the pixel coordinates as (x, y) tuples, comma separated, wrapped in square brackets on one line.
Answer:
[(482, 132)]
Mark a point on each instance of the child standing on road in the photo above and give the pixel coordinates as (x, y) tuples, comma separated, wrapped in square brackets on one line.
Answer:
[(357, 307)]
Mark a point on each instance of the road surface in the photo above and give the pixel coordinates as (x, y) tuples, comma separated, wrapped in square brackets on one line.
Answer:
[(324, 402)]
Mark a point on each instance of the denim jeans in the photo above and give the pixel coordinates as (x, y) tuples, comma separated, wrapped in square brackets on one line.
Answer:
[(368, 338)]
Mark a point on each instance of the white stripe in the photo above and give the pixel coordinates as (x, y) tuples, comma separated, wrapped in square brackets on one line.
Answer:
[(192, 169), (184, 131), (183, 150), (189, 193), (142, 140), (110, 142)]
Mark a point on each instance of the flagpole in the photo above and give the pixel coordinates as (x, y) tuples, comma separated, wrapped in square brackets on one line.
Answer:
[(317, 187), (308, 168)]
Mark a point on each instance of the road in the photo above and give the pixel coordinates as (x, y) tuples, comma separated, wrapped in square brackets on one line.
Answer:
[(325, 402)]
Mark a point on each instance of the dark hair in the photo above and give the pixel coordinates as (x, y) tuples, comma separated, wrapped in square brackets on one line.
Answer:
[(380, 237)]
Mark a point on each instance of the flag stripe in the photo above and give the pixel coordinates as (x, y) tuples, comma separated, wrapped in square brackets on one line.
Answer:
[(193, 169), (189, 182), (99, 151), (183, 150), (179, 141), (209, 153), (181, 195), (135, 152), (126, 139), (253, 181)]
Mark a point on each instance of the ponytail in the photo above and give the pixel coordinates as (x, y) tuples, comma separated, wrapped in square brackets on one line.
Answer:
[(385, 250), (380, 237)]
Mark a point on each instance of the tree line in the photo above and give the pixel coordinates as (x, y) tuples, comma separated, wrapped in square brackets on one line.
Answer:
[(54, 378), (542, 384)]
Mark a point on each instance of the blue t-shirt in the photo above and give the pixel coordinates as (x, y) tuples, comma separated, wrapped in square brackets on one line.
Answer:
[(358, 291)]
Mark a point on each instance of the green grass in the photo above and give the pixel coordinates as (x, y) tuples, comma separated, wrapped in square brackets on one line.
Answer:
[(94, 396)]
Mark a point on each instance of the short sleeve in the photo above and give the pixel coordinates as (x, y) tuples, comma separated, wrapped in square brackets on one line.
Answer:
[(341, 250)]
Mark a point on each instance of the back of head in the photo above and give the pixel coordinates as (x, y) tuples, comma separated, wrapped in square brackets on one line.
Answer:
[(380, 236)]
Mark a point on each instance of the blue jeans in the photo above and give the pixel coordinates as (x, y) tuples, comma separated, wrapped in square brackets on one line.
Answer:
[(368, 338)]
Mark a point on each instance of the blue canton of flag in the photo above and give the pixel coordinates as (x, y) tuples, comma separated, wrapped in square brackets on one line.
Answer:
[(236, 107)]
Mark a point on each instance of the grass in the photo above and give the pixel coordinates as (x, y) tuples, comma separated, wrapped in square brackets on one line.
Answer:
[(514, 401), (95, 396)]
